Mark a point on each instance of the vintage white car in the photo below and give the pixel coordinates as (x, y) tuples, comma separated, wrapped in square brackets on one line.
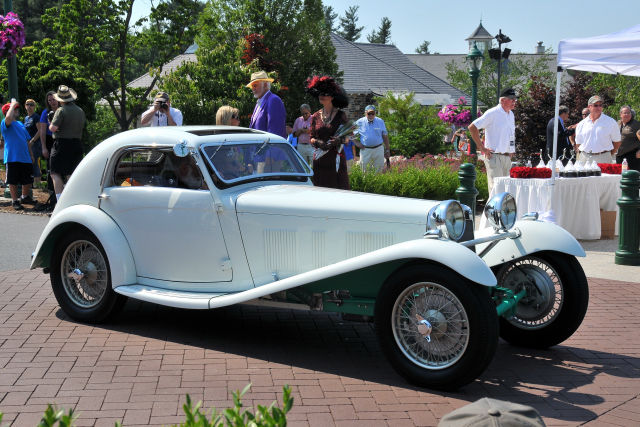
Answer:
[(205, 217)]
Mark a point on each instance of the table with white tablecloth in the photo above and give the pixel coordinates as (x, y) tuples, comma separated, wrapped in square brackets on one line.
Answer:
[(577, 201)]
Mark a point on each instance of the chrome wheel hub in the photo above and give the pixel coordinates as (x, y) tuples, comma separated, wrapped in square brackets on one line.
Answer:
[(430, 326)]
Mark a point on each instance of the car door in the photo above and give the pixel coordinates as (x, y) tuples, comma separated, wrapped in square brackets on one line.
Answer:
[(174, 232)]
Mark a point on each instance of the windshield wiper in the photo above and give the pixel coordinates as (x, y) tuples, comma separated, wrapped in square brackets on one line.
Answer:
[(261, 147), (217, 149)]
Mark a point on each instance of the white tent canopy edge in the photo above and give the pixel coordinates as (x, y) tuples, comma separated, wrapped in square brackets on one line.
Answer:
[(615, 53)]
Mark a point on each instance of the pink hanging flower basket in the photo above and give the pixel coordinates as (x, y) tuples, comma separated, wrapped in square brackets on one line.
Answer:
[(457, 115), (12, 36)]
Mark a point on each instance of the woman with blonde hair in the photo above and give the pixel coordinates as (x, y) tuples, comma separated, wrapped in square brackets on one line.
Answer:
[(228, 116)]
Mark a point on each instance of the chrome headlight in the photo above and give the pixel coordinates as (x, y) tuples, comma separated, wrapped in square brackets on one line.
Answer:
[(501, 211), (448, 218)]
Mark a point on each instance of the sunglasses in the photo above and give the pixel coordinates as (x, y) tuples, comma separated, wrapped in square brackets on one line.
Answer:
[(371, 113), (584, 115), (30, 105), (597, 105), (235, 117)]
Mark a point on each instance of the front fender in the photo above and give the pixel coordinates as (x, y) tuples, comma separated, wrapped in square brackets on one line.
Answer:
[(123, 269), (536, 236)]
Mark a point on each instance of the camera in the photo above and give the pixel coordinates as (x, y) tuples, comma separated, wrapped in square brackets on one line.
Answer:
[(164, 106)]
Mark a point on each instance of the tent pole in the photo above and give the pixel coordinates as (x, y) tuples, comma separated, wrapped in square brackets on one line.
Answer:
[(555, 139)]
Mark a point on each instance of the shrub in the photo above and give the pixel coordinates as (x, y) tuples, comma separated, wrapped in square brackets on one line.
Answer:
[(104, 126), (413, 129), (419, 177), (271, 416)]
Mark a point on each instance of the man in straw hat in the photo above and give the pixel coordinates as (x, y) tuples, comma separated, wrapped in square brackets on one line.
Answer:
[(67, 125), (269, 114), (161, 113)]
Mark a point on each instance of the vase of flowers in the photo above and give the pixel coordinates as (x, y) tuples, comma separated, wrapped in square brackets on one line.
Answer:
[(459, 115), (11, 35)]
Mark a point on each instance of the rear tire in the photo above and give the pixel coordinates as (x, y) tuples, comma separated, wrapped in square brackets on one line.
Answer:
[(557, 305), (464, 335), (81, 278)]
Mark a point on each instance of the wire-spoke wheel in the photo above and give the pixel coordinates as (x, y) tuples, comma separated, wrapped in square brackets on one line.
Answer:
[(555, 303), (84, 274), (81, 280), (437, 329)]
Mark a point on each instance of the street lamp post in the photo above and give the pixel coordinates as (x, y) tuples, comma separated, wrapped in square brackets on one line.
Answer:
[(498, 55), (474, 62), (12, 65)]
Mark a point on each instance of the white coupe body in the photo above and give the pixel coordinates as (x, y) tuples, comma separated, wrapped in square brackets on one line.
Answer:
[(255, 234)]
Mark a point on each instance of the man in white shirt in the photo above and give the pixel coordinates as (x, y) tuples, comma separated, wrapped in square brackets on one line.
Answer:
[(500, 136), (161, 113), (373, 140), (301, 131), (597, 134)]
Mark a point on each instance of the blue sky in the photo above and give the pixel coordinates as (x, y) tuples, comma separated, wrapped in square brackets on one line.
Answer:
[(446, 24)]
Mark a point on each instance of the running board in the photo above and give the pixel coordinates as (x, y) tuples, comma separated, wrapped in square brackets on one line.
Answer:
[(178, 299)]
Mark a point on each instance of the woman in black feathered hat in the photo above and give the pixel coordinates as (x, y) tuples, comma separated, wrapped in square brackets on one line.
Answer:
[(329, 162)]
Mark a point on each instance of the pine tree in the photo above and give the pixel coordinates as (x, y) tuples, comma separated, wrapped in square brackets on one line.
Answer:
[(349, 24), (329, 18), (383, 35), (424, 48)]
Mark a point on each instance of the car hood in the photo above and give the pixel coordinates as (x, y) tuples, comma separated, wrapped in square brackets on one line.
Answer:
[(327, 203)]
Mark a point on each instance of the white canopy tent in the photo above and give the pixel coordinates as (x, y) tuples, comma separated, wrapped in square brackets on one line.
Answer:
[(616, 53)]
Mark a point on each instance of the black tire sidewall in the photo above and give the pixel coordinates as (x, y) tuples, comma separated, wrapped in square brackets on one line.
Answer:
[(110, 301), (575, 302), (483, 327)]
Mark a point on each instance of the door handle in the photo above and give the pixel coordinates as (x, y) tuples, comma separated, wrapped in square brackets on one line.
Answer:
[(103, 196)]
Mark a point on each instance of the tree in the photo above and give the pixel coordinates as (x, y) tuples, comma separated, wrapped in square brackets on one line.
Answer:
[(412, 128), (349, 24), (383, 35), (295, 41), (101, 38), (30, 13), (329, 18), (217, 78), (627, 89), (515, 73), (424, 48)]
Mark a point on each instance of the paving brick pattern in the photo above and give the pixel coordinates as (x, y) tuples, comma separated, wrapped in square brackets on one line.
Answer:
[(139, 368)]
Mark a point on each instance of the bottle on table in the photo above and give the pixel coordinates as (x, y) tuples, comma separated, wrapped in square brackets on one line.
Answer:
[(625, 165)]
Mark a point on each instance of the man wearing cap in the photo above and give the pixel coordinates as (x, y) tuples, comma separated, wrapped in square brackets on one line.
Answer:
[(597, 135), (67, 125), (161, 113), (269, 113), (500, 135), (17, 155), (373, 140)]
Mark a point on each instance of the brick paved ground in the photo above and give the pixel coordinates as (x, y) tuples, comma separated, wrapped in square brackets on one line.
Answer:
[(139, 368)]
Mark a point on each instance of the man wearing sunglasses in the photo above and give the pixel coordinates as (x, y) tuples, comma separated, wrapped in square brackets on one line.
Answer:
[(373, 140), (597, 135)]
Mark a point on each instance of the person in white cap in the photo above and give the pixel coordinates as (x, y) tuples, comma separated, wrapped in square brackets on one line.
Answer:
[(597, 135), (373, 140), (161, 113)]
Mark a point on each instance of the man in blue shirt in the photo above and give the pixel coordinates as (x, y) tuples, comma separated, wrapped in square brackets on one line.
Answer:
[(17, 155), (374, 140)]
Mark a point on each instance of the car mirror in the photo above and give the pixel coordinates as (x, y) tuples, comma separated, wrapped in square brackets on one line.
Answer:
[(181, 149)]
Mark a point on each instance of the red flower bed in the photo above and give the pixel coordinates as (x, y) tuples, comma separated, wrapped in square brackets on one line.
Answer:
[(610, 168), (524, 172)]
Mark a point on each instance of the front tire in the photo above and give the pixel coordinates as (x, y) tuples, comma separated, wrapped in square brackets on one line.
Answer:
[(464, 327), (81, 278), (557, 302)]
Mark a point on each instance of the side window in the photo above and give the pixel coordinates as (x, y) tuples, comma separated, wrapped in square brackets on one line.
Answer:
[(156, 168)]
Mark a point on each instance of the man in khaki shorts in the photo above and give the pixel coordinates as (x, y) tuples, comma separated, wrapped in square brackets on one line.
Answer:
[(500, 136)]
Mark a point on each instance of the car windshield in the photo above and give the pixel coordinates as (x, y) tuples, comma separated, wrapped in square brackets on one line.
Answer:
[(233, 162)]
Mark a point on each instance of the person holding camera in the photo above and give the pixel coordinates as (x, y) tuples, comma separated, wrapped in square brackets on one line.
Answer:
[(301, 131), (161, 113)]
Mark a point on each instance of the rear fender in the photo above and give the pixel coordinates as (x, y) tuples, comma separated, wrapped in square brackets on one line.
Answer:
[(123, 270)]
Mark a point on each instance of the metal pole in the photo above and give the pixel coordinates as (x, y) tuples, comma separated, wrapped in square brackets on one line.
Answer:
[(499, 61), (12, 65), (555, 139), (474, 74), (628, 252)]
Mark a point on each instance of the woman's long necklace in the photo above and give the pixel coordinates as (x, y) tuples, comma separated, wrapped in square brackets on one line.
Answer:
[(325, 119)]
